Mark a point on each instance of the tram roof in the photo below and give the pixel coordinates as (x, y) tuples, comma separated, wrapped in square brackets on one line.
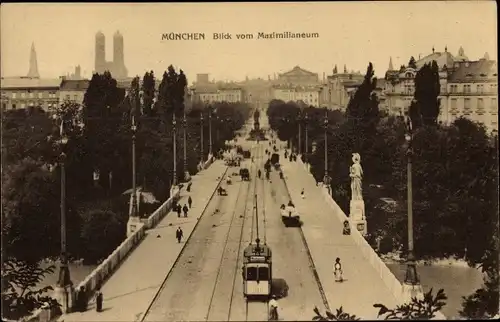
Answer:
[(251, 250)]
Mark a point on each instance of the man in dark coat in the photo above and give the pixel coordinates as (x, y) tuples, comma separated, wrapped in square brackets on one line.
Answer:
[(185, 209), (179, 210), (178, 234), (190, 202)]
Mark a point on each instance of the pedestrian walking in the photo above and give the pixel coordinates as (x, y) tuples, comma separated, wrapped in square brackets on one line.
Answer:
[(178, 234), (190, 202), (302, 194), (179, 210), (81, 300), (185, 209), (337, 270), (98, 299)]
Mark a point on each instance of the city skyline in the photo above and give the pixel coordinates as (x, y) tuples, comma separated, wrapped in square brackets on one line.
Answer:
[(350, 34)]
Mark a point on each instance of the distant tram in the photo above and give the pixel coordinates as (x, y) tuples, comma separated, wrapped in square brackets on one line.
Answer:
[(257, 271)]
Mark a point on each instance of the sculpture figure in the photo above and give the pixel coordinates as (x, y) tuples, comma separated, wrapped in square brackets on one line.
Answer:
[(356, 174)]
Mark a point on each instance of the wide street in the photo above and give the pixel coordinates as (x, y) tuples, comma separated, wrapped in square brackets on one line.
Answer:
[(206, 282)]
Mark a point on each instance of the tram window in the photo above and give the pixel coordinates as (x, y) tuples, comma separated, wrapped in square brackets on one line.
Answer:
[(251, 273), (263, 273)]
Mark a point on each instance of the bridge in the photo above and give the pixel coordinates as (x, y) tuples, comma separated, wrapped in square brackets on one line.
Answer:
[(152, 277)]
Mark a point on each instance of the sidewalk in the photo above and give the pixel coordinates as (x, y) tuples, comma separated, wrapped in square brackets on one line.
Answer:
[(323, 232), (130, 290)]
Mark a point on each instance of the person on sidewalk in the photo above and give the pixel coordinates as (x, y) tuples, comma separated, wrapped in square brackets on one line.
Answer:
[(81, 300), (337, 270), (190, 202), (185, 209), (98, 299), (302, 194), (178, 234), (179, 210)]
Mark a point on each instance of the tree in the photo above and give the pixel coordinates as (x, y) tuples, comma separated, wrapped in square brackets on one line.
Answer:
[(20, 293), (363, 107), (424, 309), (412, 63), (97, 226), (148, 87), (102, 117), (30, 206), (25, 132), (424, 109)]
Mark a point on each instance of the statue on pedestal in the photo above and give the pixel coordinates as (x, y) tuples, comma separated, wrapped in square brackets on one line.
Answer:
[(356, 174)]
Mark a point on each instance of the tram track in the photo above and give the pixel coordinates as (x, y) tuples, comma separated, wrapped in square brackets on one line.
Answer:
[(255, 310), (250, 188)]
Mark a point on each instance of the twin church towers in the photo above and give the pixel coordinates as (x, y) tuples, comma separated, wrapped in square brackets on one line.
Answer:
[(117, 65)]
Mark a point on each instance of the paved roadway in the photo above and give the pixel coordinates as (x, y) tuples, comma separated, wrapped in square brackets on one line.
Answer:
[(129, 291), (207, 285), (323, 231), (200, 286)]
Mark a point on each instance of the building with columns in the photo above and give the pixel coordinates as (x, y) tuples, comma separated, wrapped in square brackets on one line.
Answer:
[(468, 88), (211, 92), (310, 95)]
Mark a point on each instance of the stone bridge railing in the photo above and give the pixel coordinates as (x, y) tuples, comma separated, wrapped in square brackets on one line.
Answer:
[(389, 279), (102, 272)]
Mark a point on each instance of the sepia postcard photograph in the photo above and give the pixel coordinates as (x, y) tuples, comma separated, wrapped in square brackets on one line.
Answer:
[(249, 161)]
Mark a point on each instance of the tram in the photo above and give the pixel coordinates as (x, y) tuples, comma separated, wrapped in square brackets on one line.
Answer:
[(257, 271)]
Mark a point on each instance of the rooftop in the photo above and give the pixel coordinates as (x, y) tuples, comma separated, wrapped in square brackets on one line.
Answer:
[(27, 82), (475, 71), (441, 58), (75, 85), (297, 71)]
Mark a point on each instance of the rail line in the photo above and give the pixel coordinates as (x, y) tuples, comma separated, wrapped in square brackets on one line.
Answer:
[(245, 209), (258, 309), (164, 282)]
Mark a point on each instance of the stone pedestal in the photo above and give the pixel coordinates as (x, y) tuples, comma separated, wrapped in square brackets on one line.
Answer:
[(357, 216), (410, 291), (65, 295), (132, 225)]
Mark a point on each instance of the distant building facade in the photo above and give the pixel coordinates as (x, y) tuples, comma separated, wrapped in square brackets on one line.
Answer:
[(310, 95), (22, 92), (468, 88), (211, 93), (341, 87), (73, 90), (117, 65)]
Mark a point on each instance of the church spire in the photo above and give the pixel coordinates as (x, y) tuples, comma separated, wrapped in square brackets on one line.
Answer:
[(33, 71), (345, 69), (335, 69), (390, 64)]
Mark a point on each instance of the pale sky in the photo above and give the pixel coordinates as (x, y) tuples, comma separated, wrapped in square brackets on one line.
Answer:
[(351, 33)]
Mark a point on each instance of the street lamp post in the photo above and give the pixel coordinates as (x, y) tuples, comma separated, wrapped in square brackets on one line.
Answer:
[(134, 175), (411, 286), (306, 120), (64, 289), (184, 129), (326, 179), (201, 143), (299, 119), (217, 124), (210, 130), (174, 132)]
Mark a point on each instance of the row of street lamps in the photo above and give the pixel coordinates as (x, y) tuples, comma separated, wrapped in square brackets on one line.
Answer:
[(326, 178), (64, 286), (411, 282)]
